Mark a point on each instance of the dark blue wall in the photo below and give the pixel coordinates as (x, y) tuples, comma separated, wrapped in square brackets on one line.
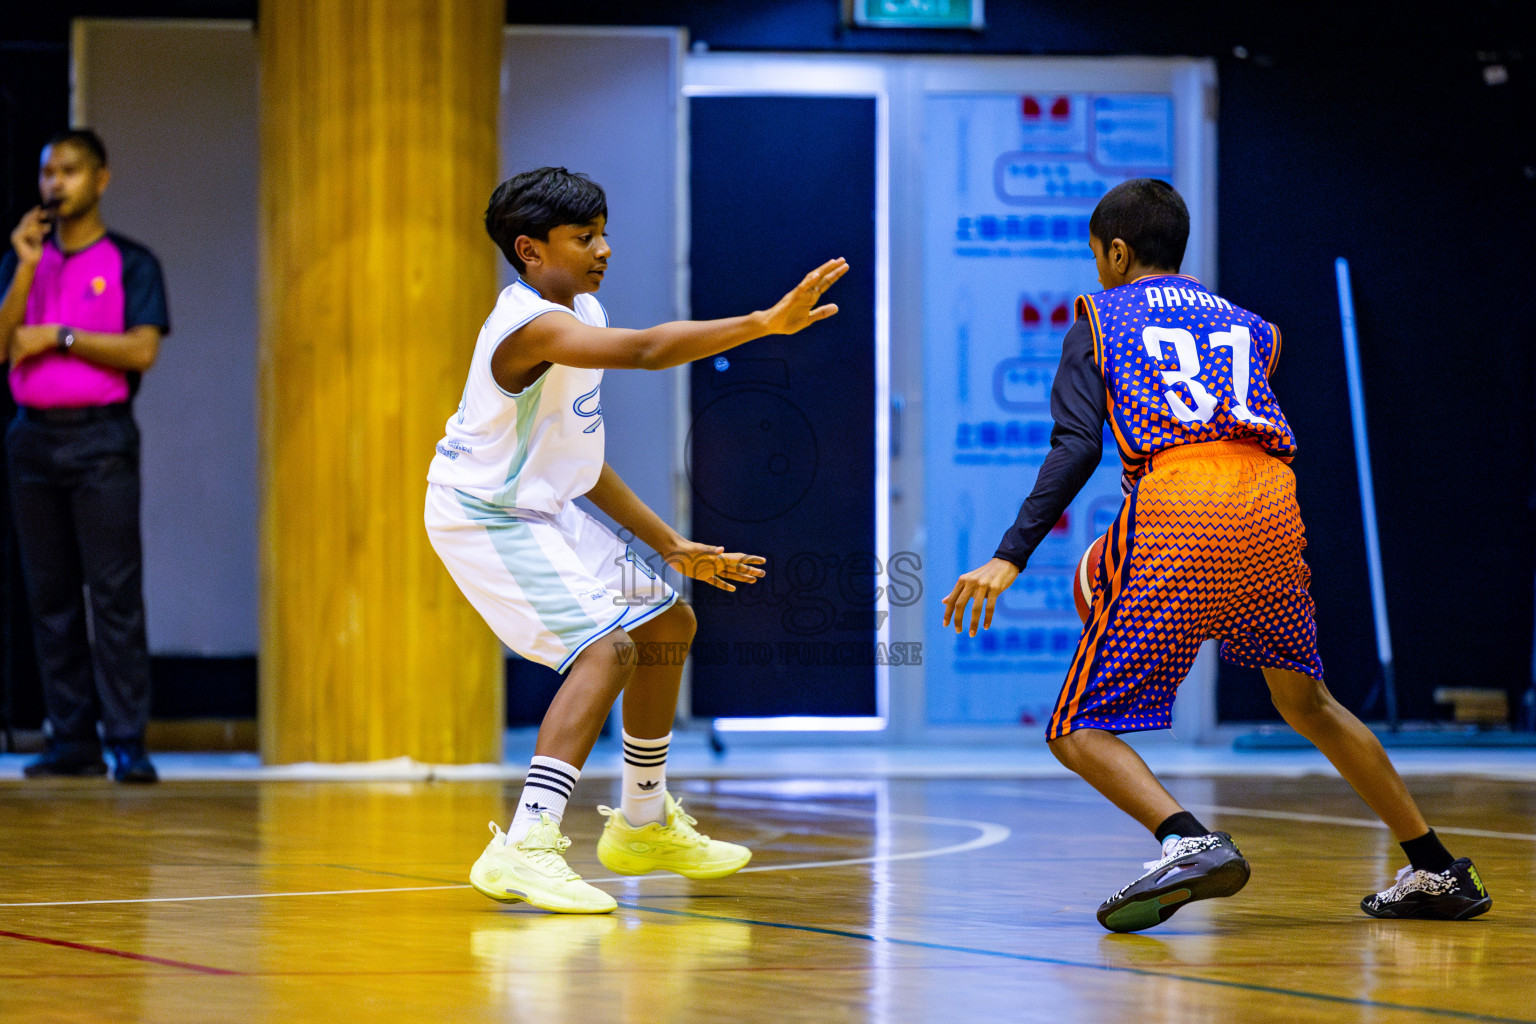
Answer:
[(1339, 134), (781, 453)]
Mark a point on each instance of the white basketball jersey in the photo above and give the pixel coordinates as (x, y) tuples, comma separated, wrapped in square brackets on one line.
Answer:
[(536, 449)]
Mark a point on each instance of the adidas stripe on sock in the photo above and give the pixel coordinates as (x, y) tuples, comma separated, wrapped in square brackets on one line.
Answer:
[(644, 798), (546, 790)]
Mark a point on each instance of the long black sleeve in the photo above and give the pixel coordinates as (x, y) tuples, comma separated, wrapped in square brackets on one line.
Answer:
[(1079, 405)]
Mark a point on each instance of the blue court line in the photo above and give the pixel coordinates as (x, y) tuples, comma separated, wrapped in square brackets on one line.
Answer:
[(1057, 962)]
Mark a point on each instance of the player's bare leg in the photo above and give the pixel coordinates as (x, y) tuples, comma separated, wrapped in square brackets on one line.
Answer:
[(1308, 707), (1195, 864), (1111, 766), (1433, 885), (527, 862), (650, 698), (649, 831), (594, 681)]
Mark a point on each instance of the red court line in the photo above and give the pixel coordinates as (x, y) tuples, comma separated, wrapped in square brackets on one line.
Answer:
[(107, 951)]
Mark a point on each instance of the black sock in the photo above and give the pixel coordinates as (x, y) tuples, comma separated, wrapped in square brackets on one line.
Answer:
[(1426, 853), (1183, 824)]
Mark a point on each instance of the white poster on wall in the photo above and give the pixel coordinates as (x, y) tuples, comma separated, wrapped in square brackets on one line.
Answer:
[(1012, 181)]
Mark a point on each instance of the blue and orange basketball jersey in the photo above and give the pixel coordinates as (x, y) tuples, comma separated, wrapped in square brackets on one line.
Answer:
[(1184, 366), (1209, 541)]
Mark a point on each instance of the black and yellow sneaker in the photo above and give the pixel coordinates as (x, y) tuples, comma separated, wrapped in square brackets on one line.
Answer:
[(1454, 894), (1192, 868)]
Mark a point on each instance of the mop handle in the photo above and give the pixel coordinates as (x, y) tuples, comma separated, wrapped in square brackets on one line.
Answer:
[(1363, 461)]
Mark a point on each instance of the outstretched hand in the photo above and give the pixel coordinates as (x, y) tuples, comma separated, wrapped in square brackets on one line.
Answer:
[(983, 586), (711, 564), (798, 310)]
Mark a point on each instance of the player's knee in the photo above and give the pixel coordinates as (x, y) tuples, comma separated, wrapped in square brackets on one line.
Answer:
[(1300, 697), (684, 622), (674, 628), (1066, 747), (614, 658)]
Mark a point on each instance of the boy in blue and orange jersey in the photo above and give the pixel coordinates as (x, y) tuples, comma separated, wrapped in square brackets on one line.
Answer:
[(1206, 546)]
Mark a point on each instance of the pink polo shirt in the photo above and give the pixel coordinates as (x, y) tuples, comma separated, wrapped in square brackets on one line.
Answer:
[(109, 286)]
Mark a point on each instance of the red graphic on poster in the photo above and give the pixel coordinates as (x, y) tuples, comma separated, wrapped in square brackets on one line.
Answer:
[(1060, 108), (1032, 317)]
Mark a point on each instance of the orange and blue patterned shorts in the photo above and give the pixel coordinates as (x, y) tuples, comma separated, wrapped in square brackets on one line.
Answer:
[(1207, 546)]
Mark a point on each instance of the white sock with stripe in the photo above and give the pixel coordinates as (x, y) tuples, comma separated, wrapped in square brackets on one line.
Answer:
[(546, 790), (645, 780)]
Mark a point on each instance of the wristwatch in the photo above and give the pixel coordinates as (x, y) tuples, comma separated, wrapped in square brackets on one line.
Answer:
[(66, 339)]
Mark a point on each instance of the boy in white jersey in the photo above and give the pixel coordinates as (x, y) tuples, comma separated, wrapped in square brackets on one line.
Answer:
[(555, 585)]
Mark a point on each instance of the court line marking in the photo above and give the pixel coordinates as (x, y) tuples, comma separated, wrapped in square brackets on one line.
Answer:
[(389, 874), (109, 951), (1108, 968), (1328, 819), (990, 834), (1259, 812)]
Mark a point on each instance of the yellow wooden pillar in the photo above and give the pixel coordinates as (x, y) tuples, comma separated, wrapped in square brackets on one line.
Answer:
[(378, 153)]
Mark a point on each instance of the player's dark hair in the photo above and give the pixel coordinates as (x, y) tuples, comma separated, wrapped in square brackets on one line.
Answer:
[(1149, 216), (85, 139), (533, 202)]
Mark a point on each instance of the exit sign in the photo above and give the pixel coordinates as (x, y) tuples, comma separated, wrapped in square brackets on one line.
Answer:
[(966, 14)]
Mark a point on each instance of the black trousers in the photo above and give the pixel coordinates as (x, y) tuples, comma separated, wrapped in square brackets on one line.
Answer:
[(75, 498)]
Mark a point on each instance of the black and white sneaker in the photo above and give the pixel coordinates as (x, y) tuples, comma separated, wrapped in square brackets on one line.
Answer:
[(1192, 868), (1454, 894)]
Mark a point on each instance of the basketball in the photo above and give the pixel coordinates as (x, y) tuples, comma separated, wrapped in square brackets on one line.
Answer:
[(1082, 580)]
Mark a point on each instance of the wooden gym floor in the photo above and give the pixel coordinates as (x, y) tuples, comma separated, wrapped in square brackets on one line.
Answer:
[(878, 900)]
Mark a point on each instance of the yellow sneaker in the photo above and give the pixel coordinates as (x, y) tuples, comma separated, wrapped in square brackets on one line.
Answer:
[(534, 871), (673, 846)]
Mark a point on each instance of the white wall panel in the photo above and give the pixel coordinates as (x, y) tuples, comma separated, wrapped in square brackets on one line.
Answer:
[(175, 104)]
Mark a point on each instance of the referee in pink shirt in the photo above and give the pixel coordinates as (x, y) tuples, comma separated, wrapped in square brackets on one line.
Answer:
[(82, 315)]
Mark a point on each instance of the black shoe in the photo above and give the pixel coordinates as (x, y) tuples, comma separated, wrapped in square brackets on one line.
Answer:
[(67, 758), (1192, 868), (130, 762), (1454, 894)]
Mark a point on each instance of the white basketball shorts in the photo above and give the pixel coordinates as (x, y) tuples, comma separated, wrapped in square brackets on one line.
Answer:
[(549, 585)]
